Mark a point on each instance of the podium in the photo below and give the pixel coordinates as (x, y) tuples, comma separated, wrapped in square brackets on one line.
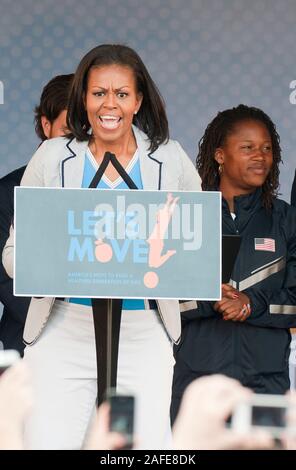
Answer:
[(115, 244), (107, 318), (107, 312)]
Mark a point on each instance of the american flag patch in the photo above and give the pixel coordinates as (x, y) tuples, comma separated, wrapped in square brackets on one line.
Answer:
[(265, 244)]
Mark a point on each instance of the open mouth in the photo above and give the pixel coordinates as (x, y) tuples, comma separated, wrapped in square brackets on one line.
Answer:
[(110, 122)]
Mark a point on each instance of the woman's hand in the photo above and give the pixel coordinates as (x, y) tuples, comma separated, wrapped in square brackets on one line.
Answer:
[(229, 291), (234, 305)]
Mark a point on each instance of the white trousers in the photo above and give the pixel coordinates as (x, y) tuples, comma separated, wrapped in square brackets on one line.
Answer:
[(63, 368)]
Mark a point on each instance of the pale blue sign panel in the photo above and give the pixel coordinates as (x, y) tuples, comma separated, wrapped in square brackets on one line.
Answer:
[(117, 244)]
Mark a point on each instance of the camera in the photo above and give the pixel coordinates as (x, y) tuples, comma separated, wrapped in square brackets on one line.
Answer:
[(7, 358), (122, 410), (261, 412)]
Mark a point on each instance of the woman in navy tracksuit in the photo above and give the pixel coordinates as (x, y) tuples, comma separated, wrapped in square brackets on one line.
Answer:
[(246, 334)]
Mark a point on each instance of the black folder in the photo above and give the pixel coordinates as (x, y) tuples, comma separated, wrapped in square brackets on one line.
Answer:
[(230, 249)]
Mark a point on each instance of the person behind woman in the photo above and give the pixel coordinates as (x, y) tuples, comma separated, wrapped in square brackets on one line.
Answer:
[(50, 122), (293, 191), (114, 106), (246, 334)]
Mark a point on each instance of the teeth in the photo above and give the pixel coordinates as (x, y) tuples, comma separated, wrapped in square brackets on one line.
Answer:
[(109, 122), (112, 118)]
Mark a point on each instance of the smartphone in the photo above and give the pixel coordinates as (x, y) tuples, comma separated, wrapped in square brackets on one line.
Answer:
[(261, 412), (7, 358), (122, 411)]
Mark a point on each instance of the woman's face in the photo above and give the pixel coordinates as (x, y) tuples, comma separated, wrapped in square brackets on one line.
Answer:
[(111, 101), (246, 157)]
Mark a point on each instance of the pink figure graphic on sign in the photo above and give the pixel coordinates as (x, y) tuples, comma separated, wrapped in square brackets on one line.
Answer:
[(156, 257), (155, 241), (103, 251)]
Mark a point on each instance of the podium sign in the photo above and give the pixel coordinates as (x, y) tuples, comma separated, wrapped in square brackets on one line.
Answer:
[(117, 243)]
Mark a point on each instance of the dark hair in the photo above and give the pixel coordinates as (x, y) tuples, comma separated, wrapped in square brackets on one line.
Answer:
[(151, 117), (53, 100), (215, 136)]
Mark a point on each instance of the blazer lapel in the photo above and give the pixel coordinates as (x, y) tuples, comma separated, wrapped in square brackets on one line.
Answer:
[(72, 166), (150, 166)]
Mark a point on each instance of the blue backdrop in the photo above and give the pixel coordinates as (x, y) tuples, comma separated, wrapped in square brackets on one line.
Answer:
[(204, 56)]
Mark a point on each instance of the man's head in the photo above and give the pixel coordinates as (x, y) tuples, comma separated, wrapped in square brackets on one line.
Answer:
[(50, 114)]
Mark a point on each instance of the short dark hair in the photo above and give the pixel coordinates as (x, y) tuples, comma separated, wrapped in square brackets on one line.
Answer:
[(151, 117), (53, 100), (214, 137)]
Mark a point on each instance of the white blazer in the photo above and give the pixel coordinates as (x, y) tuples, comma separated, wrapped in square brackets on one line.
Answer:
[(59, 163)]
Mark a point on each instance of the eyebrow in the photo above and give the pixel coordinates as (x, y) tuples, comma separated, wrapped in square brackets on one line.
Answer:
[(106, 89), (248, 140)]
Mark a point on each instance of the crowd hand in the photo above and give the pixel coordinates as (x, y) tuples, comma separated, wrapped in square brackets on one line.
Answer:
[(206, 405), (15, 404), (289, 434), (100, 436), (236, 308)]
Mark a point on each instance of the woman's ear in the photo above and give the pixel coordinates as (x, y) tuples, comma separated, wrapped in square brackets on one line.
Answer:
[(219, 156), (139, 102), (46, 126)]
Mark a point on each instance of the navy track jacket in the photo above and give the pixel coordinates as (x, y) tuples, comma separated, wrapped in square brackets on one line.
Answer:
[(265, 270)]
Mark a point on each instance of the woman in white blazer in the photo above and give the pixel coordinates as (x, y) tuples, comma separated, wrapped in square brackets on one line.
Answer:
[(114, 106)]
